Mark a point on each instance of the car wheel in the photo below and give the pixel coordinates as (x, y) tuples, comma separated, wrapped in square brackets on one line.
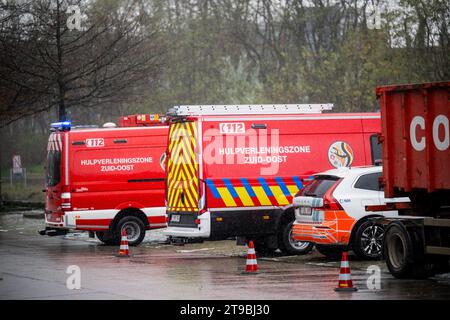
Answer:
[(331, 252), (368, 242), (107, 238), (134, 228), (288, 245)]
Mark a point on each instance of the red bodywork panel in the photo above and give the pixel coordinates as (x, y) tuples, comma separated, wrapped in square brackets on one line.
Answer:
[(415, 136), (238, 173)]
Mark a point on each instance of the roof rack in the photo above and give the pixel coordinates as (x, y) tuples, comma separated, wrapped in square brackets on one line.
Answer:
[(198, 110)]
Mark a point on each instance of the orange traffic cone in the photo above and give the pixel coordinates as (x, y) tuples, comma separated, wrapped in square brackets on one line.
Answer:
[(251, 264), (345, 278), (124, 250)]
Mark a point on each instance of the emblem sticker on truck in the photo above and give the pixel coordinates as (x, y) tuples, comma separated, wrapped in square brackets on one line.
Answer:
[(162, 162), (340, 154)]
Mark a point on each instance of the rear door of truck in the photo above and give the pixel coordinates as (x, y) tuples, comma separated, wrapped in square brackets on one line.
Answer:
[(54, 179), (183, 192)]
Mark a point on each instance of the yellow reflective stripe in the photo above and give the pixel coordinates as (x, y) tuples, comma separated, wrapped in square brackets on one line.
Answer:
[(279, 195), (189, 196), (192, 133), (292, 190), (176, 200), (226, 197), (174, 137), (262, 197), (170, 196), (182, 176), (243, 195)]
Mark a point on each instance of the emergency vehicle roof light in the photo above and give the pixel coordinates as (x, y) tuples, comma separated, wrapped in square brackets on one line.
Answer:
[(62, 126), (197, 110)]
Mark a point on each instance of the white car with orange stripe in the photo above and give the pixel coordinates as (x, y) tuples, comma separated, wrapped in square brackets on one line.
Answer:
[(331, 212)]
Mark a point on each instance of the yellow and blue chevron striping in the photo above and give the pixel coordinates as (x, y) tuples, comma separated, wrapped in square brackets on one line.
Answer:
[(258, 193)]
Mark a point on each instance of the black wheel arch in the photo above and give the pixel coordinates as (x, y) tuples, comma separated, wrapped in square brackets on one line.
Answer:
[(129, 212), (358, 224), (287, 215)]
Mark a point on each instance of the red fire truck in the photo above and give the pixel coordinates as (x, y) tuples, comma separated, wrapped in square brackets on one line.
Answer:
[(232, 170), (104, 179)]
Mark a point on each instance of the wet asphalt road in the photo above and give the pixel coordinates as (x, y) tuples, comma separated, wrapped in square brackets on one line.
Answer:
[(34, 267)]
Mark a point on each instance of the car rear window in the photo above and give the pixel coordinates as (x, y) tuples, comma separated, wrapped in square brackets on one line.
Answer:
[(319, 186)]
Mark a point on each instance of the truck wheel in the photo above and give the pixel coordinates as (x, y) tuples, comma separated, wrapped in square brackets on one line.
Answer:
[(288, 245), (134, 228), (368, 242), (107, 238), (331, 252), (404, 254)]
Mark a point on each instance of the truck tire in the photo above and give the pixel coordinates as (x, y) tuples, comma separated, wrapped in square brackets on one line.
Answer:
[(368, 241), (331, 252), (288, 245), (134, 227), (107, 238), (404, 253)]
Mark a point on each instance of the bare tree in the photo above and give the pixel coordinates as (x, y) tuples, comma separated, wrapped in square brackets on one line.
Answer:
[(72, 54), (75, 54)]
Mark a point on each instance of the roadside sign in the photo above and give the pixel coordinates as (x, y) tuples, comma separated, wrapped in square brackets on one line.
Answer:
[(17, 165)]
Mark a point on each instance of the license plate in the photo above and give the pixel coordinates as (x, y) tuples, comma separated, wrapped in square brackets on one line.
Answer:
[(305, 211), (175, 218)]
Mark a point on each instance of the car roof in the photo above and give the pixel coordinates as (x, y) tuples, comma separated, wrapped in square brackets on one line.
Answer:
[(346, 172)]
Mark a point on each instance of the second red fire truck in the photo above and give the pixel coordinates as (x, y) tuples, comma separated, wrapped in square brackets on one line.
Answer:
[(104, 179), (232, 170)]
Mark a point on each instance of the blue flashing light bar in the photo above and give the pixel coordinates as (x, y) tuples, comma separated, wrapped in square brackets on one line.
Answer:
[(61, 126)]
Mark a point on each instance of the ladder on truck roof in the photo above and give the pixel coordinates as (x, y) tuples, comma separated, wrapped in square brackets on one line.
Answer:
[(198, 110)]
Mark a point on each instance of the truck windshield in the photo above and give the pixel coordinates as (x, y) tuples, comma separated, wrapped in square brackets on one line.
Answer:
[(319, 186), (53, 168)]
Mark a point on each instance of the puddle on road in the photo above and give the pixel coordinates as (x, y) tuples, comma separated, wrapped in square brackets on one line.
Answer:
[(155, 240), (16, 223)]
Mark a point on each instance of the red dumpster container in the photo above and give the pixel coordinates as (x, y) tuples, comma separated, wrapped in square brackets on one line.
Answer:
[(416, 137)]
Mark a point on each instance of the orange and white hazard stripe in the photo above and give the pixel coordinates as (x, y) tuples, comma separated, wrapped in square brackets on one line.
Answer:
[(124, 250), (345, 277)]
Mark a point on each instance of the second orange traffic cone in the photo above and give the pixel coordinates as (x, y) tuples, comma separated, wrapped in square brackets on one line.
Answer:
[(251, 264), (345, 277), (124, 250)]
